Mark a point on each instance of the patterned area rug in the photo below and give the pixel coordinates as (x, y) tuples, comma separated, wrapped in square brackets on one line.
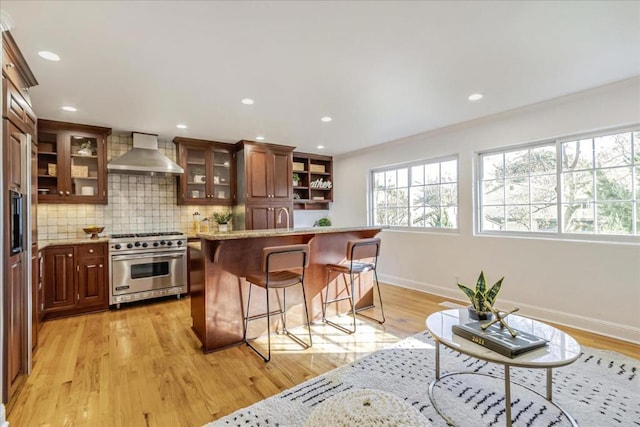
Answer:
[(601, 388)]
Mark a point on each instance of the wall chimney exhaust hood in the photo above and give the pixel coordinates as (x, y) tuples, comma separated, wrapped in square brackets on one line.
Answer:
[(144, 158)]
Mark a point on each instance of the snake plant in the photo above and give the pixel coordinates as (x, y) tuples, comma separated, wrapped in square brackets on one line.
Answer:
[(482, 294)]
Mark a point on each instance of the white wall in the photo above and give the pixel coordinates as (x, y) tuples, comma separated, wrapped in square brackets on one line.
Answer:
[(306, 219), (589, 285)]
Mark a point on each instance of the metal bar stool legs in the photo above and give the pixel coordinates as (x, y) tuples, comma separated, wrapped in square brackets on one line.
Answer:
[(349, 297), (381, 321), (277, 266), (357, 250)]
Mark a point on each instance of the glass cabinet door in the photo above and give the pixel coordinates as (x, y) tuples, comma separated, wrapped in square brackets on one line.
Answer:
[(83, 166), (222, 188), (196, 174)]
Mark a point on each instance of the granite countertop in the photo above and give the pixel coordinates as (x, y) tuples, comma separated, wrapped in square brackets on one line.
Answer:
[(244, 234), (77, 241)]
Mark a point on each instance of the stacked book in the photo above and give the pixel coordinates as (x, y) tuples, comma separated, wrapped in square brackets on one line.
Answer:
[(499, 339)]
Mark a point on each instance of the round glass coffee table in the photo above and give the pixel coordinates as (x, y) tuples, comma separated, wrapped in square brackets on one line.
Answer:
[(561, 350)]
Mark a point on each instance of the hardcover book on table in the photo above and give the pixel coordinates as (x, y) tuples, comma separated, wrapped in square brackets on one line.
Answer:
[(499, 339)]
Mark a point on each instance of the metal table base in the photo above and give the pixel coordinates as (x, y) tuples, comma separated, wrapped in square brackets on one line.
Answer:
[(507, 390)]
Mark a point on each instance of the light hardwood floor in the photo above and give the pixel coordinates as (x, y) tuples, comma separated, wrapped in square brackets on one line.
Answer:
[(142, 366)]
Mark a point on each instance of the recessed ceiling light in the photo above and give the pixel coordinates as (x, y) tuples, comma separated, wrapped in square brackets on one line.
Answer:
[(247, 101), (326, 119), (320, 147), (475, 97), (49, 55), (181, 126), (260, 138), (68, 108)]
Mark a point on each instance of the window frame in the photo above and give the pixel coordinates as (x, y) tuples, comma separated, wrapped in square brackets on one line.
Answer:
[(559, 234), (408, 165)]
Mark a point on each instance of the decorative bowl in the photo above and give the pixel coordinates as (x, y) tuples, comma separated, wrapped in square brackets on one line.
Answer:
[(94, 231)]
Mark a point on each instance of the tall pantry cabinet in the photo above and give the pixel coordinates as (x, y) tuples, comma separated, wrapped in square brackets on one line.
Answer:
[(18, 202), (265, 187)]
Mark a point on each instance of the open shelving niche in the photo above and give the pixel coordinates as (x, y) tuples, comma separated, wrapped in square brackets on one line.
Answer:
[(313, 192)]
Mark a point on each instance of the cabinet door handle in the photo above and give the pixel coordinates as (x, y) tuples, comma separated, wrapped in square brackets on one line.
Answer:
[(68, 192), (10, 65), (100, 265), (69, 255), (61, 193), (90, 251)]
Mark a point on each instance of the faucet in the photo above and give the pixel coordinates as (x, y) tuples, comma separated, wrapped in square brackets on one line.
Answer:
[(286, 211)]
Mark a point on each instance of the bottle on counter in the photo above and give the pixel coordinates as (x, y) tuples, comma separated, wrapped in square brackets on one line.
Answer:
[(196, 222), (204, 225)]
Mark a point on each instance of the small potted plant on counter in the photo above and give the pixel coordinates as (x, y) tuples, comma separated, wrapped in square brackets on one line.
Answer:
[(222, 218), (478, 309), (323, 222), (296, 179)]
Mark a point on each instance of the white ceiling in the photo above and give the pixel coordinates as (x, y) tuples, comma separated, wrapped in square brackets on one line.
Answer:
[(382, 70)]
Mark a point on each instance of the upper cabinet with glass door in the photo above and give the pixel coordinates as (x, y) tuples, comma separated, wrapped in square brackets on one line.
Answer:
[(72, 163), (209, 172)]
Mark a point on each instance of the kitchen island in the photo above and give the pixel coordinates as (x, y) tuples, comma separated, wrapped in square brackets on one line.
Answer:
[(219, 289)]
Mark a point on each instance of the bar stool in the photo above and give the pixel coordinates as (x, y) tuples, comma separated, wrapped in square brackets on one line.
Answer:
[(282, 267), (357, 251)]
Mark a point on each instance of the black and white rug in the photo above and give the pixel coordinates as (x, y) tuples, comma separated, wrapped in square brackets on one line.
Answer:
[(602, 388)]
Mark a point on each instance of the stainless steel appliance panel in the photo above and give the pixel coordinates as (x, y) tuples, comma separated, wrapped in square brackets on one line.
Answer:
[(147, 272)]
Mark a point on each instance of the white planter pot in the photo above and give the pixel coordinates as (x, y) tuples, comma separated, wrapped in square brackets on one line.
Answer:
[(223, 227)]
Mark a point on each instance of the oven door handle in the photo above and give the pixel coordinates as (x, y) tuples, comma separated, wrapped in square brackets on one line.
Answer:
[(129, 257)]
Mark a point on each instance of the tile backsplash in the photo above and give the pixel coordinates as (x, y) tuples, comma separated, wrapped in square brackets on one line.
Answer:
[(137, 203)]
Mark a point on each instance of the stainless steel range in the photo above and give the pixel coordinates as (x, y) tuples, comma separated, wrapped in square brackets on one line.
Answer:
[(147, 265)]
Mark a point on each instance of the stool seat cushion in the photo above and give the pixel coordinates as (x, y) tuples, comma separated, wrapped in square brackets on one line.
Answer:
[(358, 267), (279, 279)]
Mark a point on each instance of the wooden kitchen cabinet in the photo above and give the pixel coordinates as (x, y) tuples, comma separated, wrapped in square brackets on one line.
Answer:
[(75, 279), (265, 216), (58, 278), (265, 185), (315, 187), (18, 124), (268, 172), (72, 163), (16, 327), (36, 295), (209, 172), (13, 151)]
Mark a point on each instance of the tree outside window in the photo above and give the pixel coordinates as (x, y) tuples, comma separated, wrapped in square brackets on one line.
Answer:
[(418, 195), (583, 186)]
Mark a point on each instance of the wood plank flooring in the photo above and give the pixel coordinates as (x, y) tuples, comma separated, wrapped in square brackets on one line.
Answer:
[(142, 366)]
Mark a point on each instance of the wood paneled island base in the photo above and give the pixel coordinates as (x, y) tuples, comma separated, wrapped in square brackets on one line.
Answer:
[(219, 289)]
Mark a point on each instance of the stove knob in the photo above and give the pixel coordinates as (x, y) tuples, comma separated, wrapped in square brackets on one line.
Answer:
[(156, 244), (129, 245), (162, 242), (169, 243), (179, 242), (118, 246), (137, 244), (144, 245)]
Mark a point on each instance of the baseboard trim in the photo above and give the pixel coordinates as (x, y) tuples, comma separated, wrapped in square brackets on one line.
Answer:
[(596, 326), (3, 417)]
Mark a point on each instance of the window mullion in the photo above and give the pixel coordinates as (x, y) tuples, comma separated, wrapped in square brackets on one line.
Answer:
[(559, 191)]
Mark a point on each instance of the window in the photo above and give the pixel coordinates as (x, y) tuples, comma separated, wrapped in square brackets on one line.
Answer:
[(421, 195), (573, 186)]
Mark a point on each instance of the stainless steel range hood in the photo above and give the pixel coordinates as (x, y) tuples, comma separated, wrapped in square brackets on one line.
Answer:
[(144, 158)]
